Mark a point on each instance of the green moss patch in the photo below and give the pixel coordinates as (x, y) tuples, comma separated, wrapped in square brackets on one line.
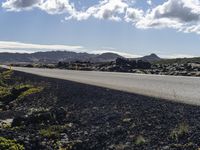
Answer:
[(54, 131), (7, 144), (30, 91)]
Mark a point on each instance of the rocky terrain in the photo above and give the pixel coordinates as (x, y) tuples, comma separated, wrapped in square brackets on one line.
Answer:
[(111, 62), (43, 113), (129, 65), (186, 69)]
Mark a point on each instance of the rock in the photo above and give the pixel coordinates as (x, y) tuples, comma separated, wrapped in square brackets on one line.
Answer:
[(127, 120)]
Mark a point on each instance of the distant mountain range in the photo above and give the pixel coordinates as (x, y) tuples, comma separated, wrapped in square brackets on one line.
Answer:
[(67, 56)]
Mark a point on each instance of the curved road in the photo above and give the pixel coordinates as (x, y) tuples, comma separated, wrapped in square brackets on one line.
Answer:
[(180, 89)]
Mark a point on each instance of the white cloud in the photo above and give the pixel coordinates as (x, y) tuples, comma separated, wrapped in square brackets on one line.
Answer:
[(191, 29), (19, 47), (105, 9), (177, 14), (172, 56), (124, 54), (149, 2), (182, 15), (110, 9), (18, 5), (7, 46), (133, 15), (56, 6)]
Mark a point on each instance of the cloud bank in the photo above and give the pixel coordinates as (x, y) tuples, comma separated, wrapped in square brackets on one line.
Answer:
[(182, 15), (19, 47), (6, 46)]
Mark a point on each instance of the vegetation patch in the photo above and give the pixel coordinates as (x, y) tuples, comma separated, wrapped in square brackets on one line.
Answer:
[(7, 144), (22, 86), (30, 91), (5, 76), (140, 140), (53, 131), (4, 91), (181, 130)]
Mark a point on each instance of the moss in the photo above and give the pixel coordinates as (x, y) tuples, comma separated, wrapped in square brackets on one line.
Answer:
[(54, 130), (181, 130), (30, 91), (4, 76), (48, 133), (21, 86), (72, 145), (189, 145), (140, 140), (4, 88), (7, 74), (4, 91), (37, 110), (17, 128), (7, 144)]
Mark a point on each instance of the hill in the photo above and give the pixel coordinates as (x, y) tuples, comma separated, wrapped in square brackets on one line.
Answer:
[(151, 58), (55, 56)]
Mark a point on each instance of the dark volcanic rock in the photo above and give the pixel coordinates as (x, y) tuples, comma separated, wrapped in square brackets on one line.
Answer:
[(132, 64), (53, 116)]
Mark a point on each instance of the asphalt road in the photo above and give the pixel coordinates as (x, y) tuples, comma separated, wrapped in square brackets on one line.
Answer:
[(180, 89)]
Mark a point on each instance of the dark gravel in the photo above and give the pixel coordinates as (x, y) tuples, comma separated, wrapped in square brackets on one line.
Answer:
[(101, 119)]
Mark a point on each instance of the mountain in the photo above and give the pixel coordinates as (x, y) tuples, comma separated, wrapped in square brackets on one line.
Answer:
[(105, 57), (55, 56), (150, 58)]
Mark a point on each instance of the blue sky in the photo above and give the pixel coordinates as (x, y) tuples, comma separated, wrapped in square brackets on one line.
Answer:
[(138, 27)]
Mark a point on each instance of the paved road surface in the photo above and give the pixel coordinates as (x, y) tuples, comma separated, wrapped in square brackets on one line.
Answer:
[(181, 89)]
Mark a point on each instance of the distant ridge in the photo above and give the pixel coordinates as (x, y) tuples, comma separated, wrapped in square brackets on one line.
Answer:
[(66, 56), (55, 56)]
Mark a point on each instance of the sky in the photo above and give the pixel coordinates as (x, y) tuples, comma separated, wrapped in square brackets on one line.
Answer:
[(133, 28)]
